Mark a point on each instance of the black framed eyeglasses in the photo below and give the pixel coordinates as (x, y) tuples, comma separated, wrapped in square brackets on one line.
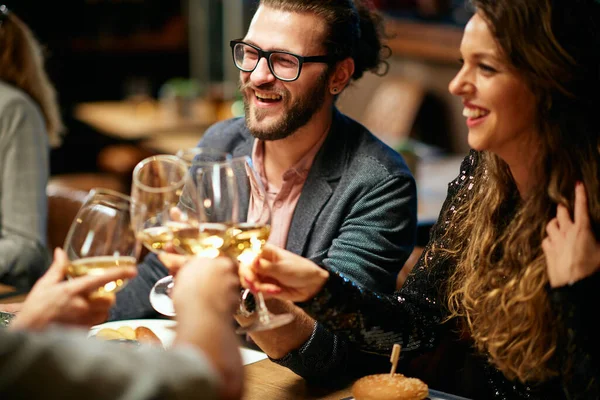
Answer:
[(283, 65)]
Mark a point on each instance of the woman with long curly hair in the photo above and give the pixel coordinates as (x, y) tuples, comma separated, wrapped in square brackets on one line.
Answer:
[(501, 303), (30, 123)]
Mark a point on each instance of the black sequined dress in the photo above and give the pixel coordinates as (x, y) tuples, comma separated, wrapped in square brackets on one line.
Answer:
[(435, 351)]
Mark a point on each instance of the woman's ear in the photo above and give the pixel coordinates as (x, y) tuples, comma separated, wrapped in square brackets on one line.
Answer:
[(341, 76)]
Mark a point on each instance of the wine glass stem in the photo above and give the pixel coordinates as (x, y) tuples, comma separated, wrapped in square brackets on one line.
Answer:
[(263, 312)]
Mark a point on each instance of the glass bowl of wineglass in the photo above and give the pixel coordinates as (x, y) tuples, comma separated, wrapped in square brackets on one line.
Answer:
[(166, 185), (102, 236), (202, 155), (158, 184)]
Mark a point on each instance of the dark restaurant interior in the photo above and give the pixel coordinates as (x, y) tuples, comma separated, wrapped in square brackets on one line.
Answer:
[(116, 50)]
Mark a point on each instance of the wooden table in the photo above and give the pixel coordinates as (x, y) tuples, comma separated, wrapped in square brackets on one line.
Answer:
[(9, 294), (266, 380), (135, 120)]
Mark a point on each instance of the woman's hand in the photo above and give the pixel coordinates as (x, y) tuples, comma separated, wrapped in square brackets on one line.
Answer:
[(571, 250), (283, 274), (56, 300)]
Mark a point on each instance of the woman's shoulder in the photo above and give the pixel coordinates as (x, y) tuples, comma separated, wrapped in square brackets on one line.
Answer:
[(19, 112), (16, 100)]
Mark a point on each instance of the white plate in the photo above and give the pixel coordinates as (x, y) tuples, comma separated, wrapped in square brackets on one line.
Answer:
[(163, 328)]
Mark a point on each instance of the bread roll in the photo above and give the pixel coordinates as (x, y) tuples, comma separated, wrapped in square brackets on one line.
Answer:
[(109, 334), (127, 332), (145, 335), (389, 387)]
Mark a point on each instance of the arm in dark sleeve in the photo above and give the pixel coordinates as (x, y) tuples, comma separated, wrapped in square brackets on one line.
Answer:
[(578, 350), (373, 243), (133, 300), (412, 317), (377, 236)]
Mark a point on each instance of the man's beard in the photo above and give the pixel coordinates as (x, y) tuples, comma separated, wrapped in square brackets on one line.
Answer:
[(293, 118)]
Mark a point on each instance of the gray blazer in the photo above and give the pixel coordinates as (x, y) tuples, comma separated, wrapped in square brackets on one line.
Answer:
[(357, 213)]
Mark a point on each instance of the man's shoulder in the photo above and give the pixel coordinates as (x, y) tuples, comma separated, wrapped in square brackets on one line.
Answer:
[(226, 133), (365, 150)]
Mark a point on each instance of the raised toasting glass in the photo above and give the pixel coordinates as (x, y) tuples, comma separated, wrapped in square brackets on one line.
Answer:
[(167, 184), (249, 234), (158, 183), (102, 236), (202, 155)]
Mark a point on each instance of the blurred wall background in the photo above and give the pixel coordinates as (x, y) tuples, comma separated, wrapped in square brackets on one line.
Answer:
[(113, 49)]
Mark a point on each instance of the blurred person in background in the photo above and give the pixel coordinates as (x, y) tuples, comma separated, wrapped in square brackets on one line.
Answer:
[(30, 123), (42, 356), (503, 302), (339, 195)]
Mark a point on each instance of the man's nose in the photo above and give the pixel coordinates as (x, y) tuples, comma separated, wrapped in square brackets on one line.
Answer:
[(262, 74)]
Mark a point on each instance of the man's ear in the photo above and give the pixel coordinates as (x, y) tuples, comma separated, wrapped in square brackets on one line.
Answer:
[(341, 76)]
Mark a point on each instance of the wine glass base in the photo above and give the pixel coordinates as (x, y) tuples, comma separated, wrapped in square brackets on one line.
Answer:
[(160, 296), (272, 321)]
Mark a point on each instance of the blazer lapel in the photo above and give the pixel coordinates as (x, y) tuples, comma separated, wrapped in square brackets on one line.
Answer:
[(318, 188), (244, 148)]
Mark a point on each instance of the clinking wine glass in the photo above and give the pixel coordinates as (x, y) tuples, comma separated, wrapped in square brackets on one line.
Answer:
[(158, 184), (102, 236), (167, 184), (202, 155), (249, 234)]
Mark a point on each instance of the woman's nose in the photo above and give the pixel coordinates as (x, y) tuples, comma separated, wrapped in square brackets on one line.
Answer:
[(460, 84)]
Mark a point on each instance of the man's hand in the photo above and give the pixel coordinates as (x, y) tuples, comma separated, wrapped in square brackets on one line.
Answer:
[(56, 300), (173, 261), (572, 252), (205, 295)]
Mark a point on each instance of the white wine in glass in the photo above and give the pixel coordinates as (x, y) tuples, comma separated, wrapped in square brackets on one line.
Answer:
[(166, 185), (102, 236), (158, 184), (249, 234)]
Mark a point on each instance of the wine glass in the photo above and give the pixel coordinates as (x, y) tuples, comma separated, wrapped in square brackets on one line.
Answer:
[(249, 234), (202, 155), (168, 183), (158, 183), (102, 236)]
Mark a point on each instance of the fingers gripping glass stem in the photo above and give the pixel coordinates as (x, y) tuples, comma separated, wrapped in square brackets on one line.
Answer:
[(265, 320)]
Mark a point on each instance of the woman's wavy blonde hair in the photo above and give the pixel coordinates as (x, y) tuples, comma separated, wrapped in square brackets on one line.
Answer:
[(499, 285), (22, 65)]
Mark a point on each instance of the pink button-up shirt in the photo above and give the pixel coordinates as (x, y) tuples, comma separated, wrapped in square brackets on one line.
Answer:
[(283, 199)]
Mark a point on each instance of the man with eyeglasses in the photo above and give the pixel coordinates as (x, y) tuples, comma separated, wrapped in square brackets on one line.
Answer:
[(339, 196)]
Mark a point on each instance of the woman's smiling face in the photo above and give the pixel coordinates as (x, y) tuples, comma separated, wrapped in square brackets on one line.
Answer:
[(500, 107)]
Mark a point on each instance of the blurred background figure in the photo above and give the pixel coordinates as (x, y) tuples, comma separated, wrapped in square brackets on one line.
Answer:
[(30, 123)]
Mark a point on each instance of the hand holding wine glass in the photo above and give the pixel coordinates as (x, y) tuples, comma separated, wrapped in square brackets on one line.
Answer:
[(56, 300)]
